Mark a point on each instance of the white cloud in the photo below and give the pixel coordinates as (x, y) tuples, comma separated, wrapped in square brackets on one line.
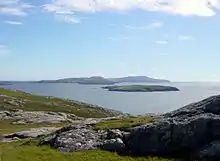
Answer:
[(4, 50), (162, 42), (13, 22), (180, 7), (14, 7), (119, 38), (186, 38)]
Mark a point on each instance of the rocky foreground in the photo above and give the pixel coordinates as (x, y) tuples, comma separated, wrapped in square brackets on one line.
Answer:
[(192, 132)]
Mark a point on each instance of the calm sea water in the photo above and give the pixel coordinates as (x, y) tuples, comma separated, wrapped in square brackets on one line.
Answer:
[(134, 103)]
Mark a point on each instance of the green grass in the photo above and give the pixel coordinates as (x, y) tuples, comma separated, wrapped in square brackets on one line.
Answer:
[(17, 151), (123, 123), (42, 103), (6, 126)]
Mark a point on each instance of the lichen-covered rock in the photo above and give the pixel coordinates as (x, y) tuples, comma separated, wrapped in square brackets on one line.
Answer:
[(82, 137), (25, 117), (77, 138)]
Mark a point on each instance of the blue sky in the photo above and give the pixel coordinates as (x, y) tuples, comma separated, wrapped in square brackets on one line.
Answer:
[(177, 40)]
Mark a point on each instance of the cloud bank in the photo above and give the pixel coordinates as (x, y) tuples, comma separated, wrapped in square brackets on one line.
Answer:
[(14, 7), (180, 7)]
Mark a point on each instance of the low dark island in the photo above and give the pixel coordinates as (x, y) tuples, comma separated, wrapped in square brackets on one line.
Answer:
[(141, 88), (3, 83)]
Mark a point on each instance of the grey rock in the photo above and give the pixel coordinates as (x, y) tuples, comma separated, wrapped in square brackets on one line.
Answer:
[(114, 133), (82, 137), (32, 133), (209, 152), (25, 117), (77, 138), (182, 132), (48, 140), (116, 145)]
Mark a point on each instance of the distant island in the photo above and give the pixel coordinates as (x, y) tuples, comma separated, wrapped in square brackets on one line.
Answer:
[(3, 83), (98, 80), (138, 79), (141, 88), (85, 81)]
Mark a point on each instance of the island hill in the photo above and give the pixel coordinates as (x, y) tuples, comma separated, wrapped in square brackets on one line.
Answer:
[(4, 83), (141, 88), (97, 80)]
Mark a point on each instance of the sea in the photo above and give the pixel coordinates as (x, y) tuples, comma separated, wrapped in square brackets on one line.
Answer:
[(133, 103)]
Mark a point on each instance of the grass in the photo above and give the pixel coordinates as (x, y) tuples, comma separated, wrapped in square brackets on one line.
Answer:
[(17, 151), (123, 123), (41, 103), (7, 127)]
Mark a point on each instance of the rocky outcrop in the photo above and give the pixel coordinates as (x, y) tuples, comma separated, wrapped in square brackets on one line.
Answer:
[(24, 117), (32, 133), (82, 137), (192, 132), (28, 117)]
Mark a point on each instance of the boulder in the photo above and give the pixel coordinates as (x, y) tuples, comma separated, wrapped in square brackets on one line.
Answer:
[(82, 137), (182, 132), (77, 138)]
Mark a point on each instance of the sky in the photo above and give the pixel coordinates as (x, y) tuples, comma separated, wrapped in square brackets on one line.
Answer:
[(177, 40)]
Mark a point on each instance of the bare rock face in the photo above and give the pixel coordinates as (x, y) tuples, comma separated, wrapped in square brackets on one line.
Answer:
[(24, 117), (31, 133), (192, 131)]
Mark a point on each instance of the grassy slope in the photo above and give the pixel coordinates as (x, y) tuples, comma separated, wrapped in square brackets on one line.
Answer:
[(123, 123), (17, 152), (41, 103), (7, 127)]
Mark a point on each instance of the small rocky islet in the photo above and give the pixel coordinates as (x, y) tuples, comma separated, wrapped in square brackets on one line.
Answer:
[(190, 133), (141, 88)]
